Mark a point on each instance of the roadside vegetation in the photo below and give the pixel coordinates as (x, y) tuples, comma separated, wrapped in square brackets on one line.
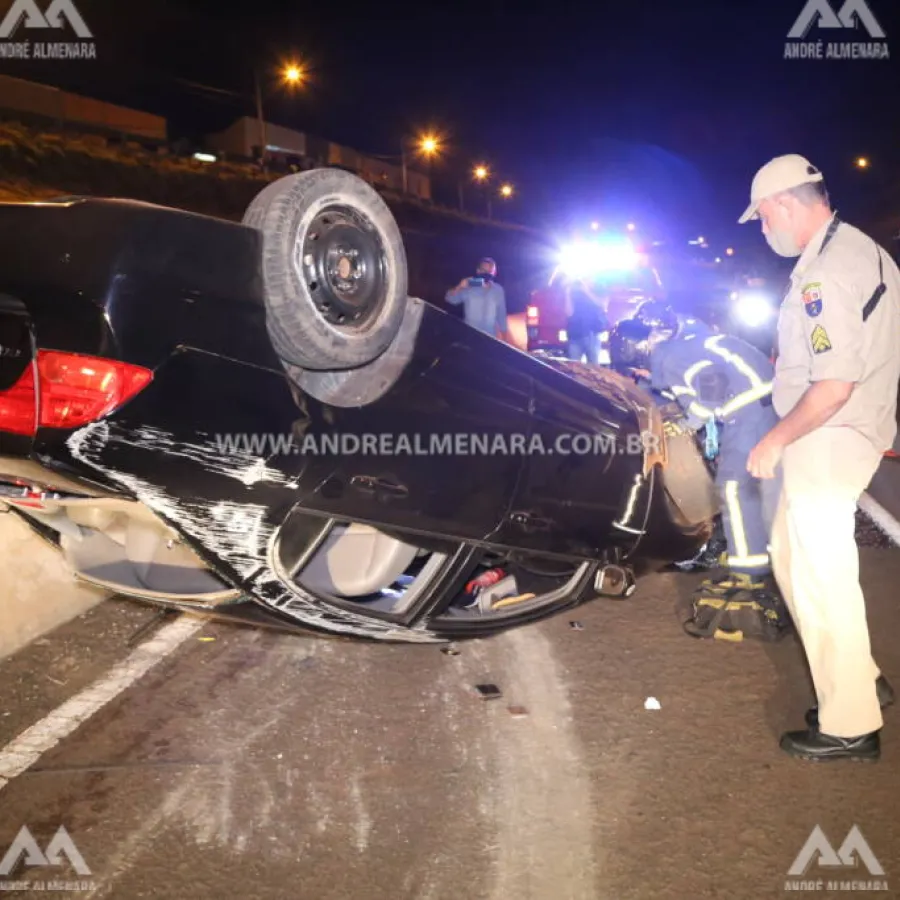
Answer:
[(38, 163)]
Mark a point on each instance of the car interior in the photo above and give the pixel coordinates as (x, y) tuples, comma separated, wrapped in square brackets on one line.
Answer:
[(358, 566)]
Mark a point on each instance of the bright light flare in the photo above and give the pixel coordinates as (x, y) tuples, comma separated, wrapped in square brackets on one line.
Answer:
[(754, 308), (293, 74), (506, 190), (585, 258), (430, 145), (481, 173)]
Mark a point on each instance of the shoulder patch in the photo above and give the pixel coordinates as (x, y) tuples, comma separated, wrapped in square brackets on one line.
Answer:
[(819, 339), (812, 298)]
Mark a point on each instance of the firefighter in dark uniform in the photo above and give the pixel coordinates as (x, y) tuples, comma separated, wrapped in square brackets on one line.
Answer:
[(724, 386)]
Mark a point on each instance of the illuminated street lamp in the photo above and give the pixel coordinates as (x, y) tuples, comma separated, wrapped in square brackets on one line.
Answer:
[(482, 174), (729, 251), (506, 191), (291, 74), (427, 145), (862, 163), (631, 226)]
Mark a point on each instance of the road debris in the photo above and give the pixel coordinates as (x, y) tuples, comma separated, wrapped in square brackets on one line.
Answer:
[(652, 703), (577, 626), (489, 691), (152, 623)]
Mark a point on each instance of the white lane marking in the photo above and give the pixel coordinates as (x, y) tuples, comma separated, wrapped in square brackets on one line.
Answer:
[(880, 516), (540, 784), (24, 750)]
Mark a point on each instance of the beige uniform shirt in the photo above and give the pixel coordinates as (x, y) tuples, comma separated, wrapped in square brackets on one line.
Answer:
[(822, 335)]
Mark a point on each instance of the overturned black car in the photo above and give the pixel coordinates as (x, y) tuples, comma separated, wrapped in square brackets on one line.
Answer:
[(256, 421)]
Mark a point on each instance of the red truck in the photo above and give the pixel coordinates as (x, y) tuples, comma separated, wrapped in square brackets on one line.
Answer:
[(621, 288)]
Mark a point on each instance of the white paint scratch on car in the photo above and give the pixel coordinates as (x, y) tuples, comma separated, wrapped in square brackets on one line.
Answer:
[(239, 534), (241, 465)]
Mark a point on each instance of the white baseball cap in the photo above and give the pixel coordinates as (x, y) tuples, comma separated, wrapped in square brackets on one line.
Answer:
[(777, 175)]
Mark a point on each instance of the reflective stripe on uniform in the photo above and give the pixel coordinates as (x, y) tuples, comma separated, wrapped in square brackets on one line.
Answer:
[(691, 371), (712, 344), (743, 399), (701, 411), (687, 390), (748, 562), (758, 388), (741, 557), (737, 519)]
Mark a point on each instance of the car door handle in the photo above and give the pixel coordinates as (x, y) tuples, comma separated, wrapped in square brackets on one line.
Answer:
[(369, 484), (529, 522)]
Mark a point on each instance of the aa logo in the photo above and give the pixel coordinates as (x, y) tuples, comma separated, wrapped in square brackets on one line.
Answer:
[(25, 845), (34, 18), (819, 12), (848, 856)]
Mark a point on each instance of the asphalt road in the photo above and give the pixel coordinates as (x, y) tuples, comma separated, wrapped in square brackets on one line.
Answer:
[(261, 765)]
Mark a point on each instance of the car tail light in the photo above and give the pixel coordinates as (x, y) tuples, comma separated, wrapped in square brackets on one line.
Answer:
[(75, 390), (532, 315), (72, 390), (18, 408)]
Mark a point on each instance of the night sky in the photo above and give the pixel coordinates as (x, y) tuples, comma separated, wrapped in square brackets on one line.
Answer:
[(657, 111)]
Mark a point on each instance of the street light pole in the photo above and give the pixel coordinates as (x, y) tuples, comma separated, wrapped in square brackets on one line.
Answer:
[(260, 118), (403, 164)]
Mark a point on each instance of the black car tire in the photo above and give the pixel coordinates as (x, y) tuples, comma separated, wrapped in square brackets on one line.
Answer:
[(334, 269)]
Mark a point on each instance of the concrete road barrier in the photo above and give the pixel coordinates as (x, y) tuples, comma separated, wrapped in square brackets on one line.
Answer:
[(37, 590)]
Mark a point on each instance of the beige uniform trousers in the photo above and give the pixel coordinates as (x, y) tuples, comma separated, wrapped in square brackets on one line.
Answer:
[(816, 563)]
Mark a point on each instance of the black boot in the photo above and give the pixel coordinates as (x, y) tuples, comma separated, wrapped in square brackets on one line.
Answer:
[(817, 747), (885, 698)]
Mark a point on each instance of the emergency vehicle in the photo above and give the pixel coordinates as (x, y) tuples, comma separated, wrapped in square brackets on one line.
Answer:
[(617, 272)]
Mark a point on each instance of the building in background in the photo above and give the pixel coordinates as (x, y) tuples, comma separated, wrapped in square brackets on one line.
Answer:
[(41, 104), (49, 107), (294, 149), (241, 140)]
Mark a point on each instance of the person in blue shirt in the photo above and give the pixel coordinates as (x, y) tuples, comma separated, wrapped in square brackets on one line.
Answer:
[(483, 301)]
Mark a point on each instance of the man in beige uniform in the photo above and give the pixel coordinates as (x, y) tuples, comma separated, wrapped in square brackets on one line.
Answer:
[(835, 392)]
